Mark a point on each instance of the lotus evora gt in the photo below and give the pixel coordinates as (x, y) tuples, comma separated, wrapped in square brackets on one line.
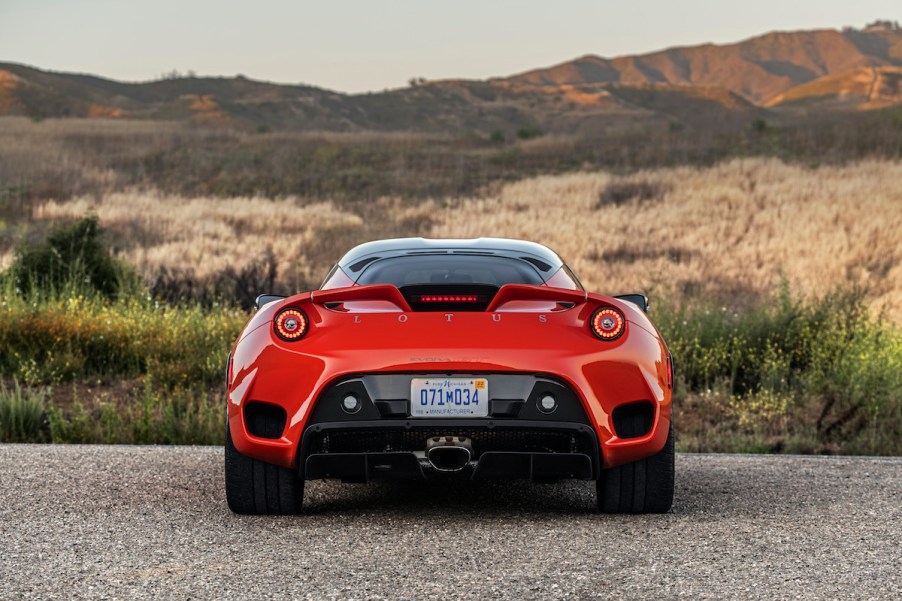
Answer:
[(426, 359)]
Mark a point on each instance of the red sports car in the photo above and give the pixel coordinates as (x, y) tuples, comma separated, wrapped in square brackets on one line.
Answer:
[(422, 359)]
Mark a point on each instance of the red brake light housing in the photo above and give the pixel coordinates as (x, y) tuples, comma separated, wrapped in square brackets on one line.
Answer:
[(607, 323), (290, 324), (449, 298)]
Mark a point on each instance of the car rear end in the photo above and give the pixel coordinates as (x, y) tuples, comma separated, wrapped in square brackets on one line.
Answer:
[(450, 379)]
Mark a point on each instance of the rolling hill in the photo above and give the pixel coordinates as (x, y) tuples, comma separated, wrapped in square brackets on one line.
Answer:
[(706, 85), (758, 69), (865, 88), (448, 105)]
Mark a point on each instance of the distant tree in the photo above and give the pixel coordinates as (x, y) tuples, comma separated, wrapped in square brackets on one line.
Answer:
[(528, 132), (882, 25), (176, 74), (496, 137)]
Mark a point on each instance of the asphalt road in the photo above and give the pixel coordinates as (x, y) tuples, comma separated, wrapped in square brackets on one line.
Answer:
[(151, 522)]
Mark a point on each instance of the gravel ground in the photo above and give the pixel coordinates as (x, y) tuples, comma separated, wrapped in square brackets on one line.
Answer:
[(151, 522)]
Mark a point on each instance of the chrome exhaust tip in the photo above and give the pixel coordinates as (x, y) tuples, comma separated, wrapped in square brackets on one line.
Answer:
[(449, 453)]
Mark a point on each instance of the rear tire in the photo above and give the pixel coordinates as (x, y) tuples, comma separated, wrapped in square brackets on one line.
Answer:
[(256, 487), (644, 486)]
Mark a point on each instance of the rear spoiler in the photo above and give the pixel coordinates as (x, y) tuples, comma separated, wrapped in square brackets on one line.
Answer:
[(512, 292), (384, 292), (507, 293)]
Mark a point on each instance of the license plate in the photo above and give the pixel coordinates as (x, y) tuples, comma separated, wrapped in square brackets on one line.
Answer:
[(449, 397)]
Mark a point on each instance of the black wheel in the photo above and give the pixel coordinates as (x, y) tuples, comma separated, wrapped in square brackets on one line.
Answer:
[(644, 486), (257, 487)]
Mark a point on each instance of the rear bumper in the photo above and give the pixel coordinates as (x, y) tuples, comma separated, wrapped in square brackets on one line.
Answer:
[(396, 440), (502, 449)]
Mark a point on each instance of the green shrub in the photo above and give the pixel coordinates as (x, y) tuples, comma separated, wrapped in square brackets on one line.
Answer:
[(22, 413), (528, 132), (72, 255), (759, 126), (822, 375)]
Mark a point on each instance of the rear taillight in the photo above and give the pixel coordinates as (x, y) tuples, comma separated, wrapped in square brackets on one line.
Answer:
[(449, 298), (607, 323), (290, 324)]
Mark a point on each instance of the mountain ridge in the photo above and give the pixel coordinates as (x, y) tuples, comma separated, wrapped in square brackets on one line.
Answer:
[(711, 85), (757, 68)]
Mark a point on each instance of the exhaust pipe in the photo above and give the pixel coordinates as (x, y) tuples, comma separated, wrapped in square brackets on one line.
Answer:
[(449, 453)]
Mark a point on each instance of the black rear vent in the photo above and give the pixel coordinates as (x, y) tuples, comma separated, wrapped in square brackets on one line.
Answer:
[(634, 419), (264, 420), (449, 297)]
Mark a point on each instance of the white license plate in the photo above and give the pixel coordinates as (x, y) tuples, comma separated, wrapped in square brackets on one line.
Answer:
[(449, 397)]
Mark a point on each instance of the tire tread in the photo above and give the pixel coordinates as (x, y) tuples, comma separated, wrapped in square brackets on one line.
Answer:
[(644, 486), (257, 487)]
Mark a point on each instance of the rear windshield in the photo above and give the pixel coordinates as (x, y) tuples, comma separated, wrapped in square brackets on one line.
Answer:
[(449, 269)]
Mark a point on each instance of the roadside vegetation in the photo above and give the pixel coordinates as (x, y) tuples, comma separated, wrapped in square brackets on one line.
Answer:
[(131, 253), (820, 375), (789, 374)]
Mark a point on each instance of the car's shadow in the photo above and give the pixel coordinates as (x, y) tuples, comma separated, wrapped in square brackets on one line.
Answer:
[(704, 488), (448, 498)]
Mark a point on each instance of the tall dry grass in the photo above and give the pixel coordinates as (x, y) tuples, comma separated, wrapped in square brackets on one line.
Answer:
[(738, 227), (732, 231), (202, 237)]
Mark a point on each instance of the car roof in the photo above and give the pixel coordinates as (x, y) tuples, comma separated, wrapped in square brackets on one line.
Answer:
[(359, 256)]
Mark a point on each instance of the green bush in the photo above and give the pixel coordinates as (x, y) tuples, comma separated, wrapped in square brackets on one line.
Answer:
[(22, 413), (74, 254), (528, 132), (760, 126), (820, 376)]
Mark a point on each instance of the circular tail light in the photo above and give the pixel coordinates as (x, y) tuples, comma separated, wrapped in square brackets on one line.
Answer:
[(607, 323), (290, 324)]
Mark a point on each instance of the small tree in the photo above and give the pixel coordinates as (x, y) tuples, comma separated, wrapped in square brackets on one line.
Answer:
[(528, 132), (74, 254)]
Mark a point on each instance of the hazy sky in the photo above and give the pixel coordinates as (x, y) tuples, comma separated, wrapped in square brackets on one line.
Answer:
[(357, 45)]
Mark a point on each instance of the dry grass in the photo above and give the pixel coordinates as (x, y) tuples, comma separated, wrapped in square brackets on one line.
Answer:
[(734, 230), (203, 237)]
